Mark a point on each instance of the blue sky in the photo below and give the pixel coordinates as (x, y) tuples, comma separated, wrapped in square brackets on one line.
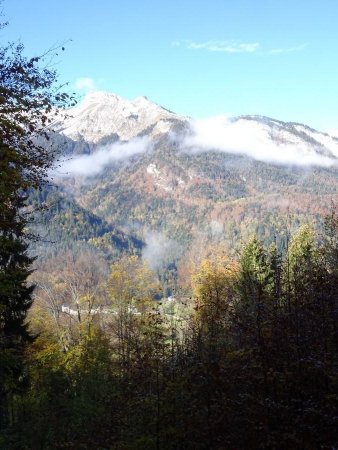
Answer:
[(199, 58)]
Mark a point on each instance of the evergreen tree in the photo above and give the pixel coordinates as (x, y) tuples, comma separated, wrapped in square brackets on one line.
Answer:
[(27, 95)]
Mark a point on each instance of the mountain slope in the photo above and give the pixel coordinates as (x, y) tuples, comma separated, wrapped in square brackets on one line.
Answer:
[(214, 180), (103, 115), (62, 224)]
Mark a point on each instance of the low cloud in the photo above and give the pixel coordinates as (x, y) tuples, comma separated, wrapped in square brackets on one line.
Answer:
[(159, 250), (253, 139), (216, 228), (333, 133), (93, 164), (85, 84)]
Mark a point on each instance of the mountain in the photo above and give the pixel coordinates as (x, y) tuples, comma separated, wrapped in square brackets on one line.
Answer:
[(148, 170), (102, 115), (294, 134), (103, 118)]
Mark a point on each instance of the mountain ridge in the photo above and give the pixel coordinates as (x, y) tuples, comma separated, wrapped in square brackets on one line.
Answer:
[(216, 180), (103, 118)]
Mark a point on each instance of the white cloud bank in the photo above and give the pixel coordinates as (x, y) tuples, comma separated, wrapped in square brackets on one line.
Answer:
[(93, 164), (253, 139), (333, 133), (85, 84)]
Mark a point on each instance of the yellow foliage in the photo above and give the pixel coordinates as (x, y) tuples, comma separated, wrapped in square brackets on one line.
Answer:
[(131, 282), (214, 286)]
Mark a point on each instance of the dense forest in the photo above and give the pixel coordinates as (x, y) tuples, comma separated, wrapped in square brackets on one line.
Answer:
[(248, 361), (92, 356)]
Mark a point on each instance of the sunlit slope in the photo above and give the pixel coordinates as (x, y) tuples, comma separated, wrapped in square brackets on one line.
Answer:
[(216, 179)]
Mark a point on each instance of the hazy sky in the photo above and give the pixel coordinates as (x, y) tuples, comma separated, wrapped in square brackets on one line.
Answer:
[(196, 57)]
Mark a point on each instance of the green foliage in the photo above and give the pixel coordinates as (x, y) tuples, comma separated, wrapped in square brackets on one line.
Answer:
[(80, 386), (63, 224), (113, 368), (258, 352), (27, 95)]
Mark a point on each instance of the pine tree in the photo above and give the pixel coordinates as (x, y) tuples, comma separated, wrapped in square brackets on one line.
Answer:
[(27, 95), (15, 294)]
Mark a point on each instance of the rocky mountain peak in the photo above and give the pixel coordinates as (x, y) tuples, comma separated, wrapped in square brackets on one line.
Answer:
[(102, 114)]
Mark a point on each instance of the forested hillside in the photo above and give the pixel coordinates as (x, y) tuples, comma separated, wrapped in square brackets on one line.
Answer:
[(254, 348), (60, 224), (172, 182), (161, 286), (114, 193)]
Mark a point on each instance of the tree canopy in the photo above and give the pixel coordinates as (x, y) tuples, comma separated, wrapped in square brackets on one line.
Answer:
[(29, 102)]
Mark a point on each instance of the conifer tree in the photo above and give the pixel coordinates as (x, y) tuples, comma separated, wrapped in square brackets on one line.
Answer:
[(27, 98)]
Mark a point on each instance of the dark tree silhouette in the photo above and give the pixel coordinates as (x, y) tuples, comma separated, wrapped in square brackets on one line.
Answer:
[(28, 97)]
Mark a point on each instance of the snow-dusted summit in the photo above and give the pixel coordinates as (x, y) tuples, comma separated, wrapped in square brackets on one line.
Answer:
[(103, 114), (103, 118), (292, 134)]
